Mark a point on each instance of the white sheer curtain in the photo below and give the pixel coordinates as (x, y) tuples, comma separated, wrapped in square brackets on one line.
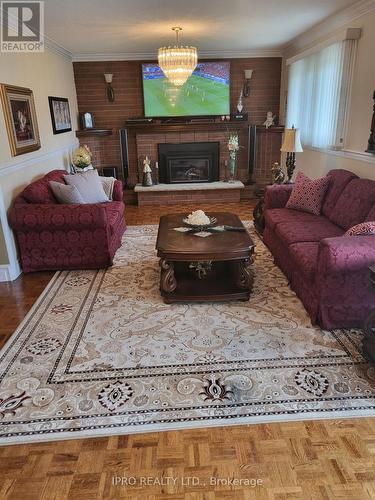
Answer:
[(318, 93)]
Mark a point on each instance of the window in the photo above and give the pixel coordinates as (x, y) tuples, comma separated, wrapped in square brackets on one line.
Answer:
[(318, 94)]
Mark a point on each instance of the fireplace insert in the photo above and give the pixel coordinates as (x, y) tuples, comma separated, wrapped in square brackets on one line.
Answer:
[(189, 162)]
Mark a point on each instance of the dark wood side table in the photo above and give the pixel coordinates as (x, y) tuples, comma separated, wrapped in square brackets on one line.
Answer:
[(369, 326), (195, 269)]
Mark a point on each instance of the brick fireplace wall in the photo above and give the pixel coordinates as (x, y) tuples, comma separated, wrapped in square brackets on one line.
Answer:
[(127, 84)]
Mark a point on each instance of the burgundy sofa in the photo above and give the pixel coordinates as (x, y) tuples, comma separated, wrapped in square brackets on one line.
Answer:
[(327, 270), (53, 236)]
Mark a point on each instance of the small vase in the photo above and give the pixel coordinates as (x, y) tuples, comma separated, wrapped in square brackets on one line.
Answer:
[(232, 169)]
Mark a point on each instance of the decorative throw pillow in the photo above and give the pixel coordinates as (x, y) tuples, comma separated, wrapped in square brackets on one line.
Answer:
[(89, 186), (66, 194), (364, 228), (308, 194)]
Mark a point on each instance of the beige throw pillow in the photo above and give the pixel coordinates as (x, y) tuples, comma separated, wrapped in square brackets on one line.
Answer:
[(89, 186), (65, 194)]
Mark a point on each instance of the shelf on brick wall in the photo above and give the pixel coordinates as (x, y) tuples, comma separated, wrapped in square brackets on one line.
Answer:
[(94, 132)]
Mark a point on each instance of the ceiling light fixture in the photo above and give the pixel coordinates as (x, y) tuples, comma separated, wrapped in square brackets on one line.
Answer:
[(178, 62)]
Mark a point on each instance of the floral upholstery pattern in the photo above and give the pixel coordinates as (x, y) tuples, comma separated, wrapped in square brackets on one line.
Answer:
[(327, 269), (52, 236), (308, 194)]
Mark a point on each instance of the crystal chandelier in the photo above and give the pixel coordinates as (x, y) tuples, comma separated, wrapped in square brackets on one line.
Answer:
[(178, 62)]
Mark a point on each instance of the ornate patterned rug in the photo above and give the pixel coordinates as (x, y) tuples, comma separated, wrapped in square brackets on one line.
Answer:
[(100, 353)]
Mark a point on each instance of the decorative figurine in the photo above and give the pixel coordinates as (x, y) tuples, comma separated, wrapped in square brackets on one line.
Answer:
[(239, 103), (269, 120), (278, 175), (147, 179)]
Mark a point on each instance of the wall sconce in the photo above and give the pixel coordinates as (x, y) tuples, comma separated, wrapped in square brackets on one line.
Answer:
[(246, 85), (110, 92)]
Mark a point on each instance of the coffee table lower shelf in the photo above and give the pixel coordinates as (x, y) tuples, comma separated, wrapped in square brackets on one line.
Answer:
[(225, 281)]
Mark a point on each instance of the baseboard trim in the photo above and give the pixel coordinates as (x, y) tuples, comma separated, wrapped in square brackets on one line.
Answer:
[(9, 272)]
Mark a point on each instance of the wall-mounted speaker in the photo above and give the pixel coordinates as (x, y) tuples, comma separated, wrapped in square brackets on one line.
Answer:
[(124, 153), (252, 152)]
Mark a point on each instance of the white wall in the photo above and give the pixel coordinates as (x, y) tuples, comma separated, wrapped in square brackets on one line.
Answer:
[(47, 74), (317, 163)]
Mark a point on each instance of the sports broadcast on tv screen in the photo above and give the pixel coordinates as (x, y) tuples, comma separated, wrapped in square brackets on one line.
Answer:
[(206, 91)]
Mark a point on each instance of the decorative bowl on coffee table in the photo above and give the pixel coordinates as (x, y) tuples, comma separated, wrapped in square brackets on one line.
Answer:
[(200, 227)]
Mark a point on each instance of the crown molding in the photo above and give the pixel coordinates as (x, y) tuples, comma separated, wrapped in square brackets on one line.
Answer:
[(326, 28), (147, 56), (55, 48)]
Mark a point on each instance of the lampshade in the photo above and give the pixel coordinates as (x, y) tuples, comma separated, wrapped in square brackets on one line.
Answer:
[(292, 142), (178, 62), (248, 74), (108, 77)]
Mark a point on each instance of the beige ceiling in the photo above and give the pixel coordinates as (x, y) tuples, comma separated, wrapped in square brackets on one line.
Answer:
[(139, 27)]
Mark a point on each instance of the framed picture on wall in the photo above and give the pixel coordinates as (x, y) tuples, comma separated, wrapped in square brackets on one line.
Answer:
[(20, 119), (60, 114), (87, 120)]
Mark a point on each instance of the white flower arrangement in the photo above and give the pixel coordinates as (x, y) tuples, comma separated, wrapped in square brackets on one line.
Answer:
[(233, 144), (198, 218)]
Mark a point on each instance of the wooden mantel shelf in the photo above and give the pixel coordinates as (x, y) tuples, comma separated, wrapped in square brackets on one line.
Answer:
[(94, 132), (155, 128)]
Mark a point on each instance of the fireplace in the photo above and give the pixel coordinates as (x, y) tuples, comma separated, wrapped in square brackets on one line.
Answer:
[(189, 162)]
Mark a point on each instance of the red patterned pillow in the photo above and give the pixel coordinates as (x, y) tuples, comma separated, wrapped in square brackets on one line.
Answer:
[(308, 194), (364, 228)]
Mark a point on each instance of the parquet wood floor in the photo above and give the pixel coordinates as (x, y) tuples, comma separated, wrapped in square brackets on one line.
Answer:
[(326, 459)]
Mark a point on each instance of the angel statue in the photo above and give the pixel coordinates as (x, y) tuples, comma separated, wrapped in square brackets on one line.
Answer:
[(147, 179)]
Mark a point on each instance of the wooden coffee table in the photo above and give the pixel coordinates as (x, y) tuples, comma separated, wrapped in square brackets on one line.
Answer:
[(215, 268)]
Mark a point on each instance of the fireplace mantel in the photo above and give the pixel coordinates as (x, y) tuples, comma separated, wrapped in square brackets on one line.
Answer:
[(157, 128)]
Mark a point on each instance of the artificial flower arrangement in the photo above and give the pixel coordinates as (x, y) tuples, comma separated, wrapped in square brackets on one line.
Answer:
[(233, 147), (82, 158)]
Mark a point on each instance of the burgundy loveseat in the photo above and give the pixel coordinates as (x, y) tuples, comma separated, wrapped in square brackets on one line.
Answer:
[(327, 270), (52, 236)]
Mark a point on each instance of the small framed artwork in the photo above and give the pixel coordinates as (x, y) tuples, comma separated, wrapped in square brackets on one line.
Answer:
[(87, 120), (60, 114), (20, 119)]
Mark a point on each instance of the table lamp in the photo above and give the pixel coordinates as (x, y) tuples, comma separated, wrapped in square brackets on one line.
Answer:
[(291, 146)]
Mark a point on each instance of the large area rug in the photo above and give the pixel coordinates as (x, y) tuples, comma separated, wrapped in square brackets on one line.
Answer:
[(100, 353)]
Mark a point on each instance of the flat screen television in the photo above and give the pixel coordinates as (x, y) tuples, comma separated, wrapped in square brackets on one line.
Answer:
[(205, 93)]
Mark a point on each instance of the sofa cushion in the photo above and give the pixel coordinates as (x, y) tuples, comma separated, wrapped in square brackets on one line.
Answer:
[(298, 232), (354, 204), (305, 257), (339, 179), (275, 216), (308, 194), (40, 191)]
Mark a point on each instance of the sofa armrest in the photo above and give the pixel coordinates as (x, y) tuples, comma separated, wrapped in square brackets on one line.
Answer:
[(346, 254), (37, 218), (118, 191), (277, 195)]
